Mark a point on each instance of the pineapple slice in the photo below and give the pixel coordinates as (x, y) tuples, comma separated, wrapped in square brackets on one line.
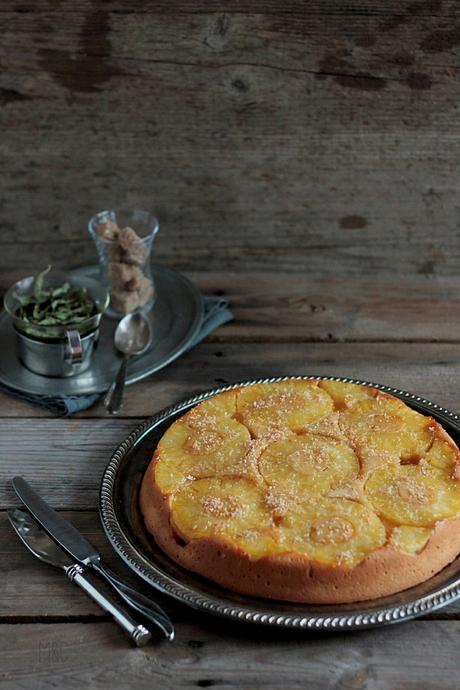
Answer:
[(417, 495), (345, 395), (296, 405), (443, 455), (308, 464), (410, 539), (186, 453), (224, 507), (384, 430), (209, 413), (332, 531)]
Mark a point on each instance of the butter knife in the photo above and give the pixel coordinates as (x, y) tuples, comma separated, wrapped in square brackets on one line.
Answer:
[(78, 548)]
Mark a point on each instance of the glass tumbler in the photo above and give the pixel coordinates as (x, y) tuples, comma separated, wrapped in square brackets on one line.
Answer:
[(124, 241)]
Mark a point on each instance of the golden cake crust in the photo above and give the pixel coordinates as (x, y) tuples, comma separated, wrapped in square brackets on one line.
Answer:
[(387, 493)]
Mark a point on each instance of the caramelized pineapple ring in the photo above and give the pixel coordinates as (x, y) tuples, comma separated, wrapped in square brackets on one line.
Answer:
[(444, 455), (293, 404), (409, 539), (209, 413), (417, 495), (308, 464), (224, 507), (384, 429), (185, 453), (332, 531), (345, 394)]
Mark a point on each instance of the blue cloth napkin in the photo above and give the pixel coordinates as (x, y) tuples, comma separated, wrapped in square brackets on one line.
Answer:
[(215, 313)]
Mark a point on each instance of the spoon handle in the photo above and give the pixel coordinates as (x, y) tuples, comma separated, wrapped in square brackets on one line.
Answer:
[(114, 397)]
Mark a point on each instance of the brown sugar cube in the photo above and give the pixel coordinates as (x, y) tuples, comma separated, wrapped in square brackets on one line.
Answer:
[(135, 251), (126, 276), (122, 275), (108, 230), (137, 279), (124, 301)]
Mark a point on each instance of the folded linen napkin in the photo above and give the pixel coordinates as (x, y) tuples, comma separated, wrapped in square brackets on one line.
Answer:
[(215, 313)]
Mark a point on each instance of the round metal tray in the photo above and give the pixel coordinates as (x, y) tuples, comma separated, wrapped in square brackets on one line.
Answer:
[(125, 530), (176, 319)]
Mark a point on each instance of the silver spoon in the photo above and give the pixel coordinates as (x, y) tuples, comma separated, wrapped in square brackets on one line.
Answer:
[(133, 336)]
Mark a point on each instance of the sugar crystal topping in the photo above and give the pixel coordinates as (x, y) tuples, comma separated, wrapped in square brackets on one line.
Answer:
[(220, 507), (279, 502), (279, 403), (206, 442), (331, 530), (199, 420), (307, 459), (414, 491)]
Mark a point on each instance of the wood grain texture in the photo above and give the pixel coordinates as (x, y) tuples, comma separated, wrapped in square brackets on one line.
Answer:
[(427, 369), (299, 307), (40, 656), (277, 136), (282, 307), (62, 459)]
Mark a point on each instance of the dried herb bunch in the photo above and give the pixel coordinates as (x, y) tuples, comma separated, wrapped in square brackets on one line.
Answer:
[(54, 306)]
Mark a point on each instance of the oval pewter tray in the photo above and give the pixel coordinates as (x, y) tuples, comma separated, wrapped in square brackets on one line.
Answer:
[(125, 530)]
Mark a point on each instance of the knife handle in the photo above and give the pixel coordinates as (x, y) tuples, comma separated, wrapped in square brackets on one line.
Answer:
[(138, 634), (137, 601)]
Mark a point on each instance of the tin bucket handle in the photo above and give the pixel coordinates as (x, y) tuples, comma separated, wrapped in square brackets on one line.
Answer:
[(74, 350)]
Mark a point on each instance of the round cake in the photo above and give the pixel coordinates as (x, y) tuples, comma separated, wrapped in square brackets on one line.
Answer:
[(310, 491)]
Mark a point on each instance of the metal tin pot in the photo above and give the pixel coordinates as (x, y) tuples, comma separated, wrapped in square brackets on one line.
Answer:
[(58, 350), (64, 358)]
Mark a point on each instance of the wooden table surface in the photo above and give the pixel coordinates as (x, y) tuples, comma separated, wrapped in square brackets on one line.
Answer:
[(303, 159), (52, 636)]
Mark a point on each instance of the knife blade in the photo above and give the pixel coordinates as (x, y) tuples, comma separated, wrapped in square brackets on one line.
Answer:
[(80, 549), (58, 528)]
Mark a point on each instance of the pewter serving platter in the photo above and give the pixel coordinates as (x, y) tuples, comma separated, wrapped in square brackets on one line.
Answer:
[(176, 319), (125, 530)]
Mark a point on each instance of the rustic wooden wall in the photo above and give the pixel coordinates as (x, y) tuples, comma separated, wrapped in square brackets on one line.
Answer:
[(319, 136)]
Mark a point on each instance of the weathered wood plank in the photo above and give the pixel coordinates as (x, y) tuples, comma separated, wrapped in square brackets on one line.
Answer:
[(276, 306), (416, 655), (321, 7), (255, 121), (298, 307), (429, 370), (27, 583), (63, 459)]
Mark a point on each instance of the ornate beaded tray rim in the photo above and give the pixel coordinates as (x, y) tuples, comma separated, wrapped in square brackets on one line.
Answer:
[(124, 528)]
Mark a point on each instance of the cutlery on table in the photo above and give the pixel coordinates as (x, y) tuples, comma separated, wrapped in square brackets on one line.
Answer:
[(79, 549), (37, 542), (133, 336)]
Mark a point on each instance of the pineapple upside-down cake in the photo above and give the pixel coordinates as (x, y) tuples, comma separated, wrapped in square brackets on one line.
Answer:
[(314, 491)]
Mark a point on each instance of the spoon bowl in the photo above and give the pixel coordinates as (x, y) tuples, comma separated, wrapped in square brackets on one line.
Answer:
[(133, 336)]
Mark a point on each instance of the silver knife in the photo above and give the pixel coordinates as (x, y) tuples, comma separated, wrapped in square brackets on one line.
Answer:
[(79, 549), (37, 542)]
